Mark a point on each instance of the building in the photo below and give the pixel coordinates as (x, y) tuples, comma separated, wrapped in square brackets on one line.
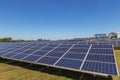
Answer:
[(118, 34), (113, 35), (101, 36)]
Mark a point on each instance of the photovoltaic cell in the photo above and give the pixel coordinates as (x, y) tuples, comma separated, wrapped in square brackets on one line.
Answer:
[(79, 50), (101, 51), (102, 46), (48, 60), (55, 54), (105, 68), (40, 53), (31, 58), (74, 56), (19, 56), (75, 64), (102, 58)]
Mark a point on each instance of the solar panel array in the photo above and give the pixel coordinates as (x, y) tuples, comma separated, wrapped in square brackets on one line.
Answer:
[(90, 58), (115, 43)]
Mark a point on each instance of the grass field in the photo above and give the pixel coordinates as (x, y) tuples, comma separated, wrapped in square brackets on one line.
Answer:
[(12, 70)]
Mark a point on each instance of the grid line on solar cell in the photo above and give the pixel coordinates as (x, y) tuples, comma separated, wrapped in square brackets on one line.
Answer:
[(75, 56), (101, 51), (35, 51), (7, 52), (48, 52), (31, 58), (69, 63), (102, 58), (79, 50), (105, 68), (61, 49), (85, 57), (22, 51), (81, 46), (19, 56), (55, 54), (48, 60), (64, 54), (102, 46)]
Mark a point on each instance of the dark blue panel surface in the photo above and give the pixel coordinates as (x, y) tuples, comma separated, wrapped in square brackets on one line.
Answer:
[(52, 45), (40, 52), (65, 45), (92, 43), (28, 51), (61, 49), (36, 48), (81, 46), (101, 46), (2, 52), (19, 56), (9, 55), (106, 68), (55, 54), (74, 56), (47, 48), (48, 60), (79, 50), (32, 58), (18, 51), (75, 64), (102, 58), (101, 51)]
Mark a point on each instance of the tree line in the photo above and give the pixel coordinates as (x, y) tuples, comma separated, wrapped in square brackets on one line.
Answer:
[(9, 39)]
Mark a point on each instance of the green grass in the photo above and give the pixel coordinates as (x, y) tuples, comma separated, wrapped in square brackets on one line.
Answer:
[(21, 71), (117, 54)]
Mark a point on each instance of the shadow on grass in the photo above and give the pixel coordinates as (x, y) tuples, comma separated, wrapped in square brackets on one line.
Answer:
[(54, 71)]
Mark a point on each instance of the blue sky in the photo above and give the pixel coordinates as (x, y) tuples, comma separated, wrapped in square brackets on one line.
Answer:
[(58, 19)]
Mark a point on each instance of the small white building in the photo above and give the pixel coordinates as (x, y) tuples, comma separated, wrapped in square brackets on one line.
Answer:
[(114, 35), (118, 34)]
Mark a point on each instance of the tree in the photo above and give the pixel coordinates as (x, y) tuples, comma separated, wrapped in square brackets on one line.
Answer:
[(6, 39)]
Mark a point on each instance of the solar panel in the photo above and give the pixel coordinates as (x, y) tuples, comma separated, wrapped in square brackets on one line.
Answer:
[(90, 58)]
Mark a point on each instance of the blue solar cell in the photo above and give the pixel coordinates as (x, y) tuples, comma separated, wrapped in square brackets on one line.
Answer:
[(65, 45), (61, 49), (92, 43), (36, 48), (18, 51), (10, 50), (102, 46), (48, 60), (19, 56), (101, 51), (9, 55), (52, 45), (31, 58), (79, 50), (81, 46), (55, 54), (47, 48), (75, 64), (40, 52), (102, 58), (28, 51), (105, 43), (82, 43), (118, 43), (74, 56), (105, 68)]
